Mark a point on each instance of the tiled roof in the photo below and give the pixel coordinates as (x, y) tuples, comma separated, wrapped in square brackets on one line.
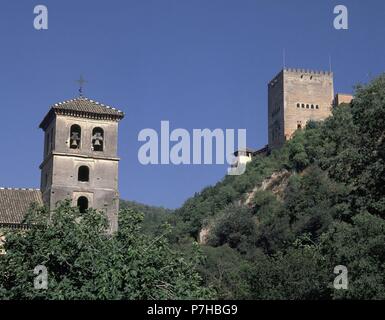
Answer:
[(14, 204), (84, 104), (248, 150), (83, 107)]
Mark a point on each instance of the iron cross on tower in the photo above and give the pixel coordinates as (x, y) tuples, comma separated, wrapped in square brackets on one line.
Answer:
[(81, 82)]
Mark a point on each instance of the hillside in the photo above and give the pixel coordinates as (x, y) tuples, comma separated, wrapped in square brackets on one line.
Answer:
[(153, 216), (279, 230), (305, 222)]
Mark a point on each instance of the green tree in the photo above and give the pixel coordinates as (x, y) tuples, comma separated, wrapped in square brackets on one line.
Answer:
[(84, 262), (225, 269), (360, 246), (299, 273), (368, 110), (235, 227)]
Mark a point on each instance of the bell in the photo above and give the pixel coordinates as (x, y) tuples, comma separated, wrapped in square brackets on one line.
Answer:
[(97, 143), (74, 143), (98, 135)]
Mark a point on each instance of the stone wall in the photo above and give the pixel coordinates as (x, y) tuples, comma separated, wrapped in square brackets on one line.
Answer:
[(307, 96), (295, 97), (342, 98), (59, 175), (275, 112)]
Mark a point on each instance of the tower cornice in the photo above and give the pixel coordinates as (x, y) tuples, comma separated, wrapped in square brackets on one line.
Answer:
[(82, 107), (76, 155)]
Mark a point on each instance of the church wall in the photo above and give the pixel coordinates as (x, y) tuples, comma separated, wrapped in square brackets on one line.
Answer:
[(103, 173), (60, 168), (46, 179), (62, 141), (101, 190), (106, 200)]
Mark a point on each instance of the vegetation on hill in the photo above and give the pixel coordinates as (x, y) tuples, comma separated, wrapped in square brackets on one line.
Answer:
[(153, 216), (83, 262), (285, 241), (275, 232)]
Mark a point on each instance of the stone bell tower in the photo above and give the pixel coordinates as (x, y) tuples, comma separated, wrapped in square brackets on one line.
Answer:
[(80, 156)]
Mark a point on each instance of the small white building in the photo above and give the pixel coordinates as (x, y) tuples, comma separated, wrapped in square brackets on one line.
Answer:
[(242, 156)]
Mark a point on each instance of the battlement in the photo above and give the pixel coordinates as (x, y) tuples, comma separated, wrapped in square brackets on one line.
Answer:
[(301, 73), (308, 71)]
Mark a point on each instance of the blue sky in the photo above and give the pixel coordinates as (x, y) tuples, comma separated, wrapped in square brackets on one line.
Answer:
[(197, 63)]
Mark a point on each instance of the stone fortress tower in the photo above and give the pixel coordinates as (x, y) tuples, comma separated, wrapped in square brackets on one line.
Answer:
[(80, 156), (296, 96)]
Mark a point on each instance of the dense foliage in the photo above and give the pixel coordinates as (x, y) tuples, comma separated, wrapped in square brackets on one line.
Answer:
[(153, 216), (285, 244), (83, 262)]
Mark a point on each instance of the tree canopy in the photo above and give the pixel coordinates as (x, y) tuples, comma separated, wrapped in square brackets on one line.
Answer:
[(83, 262)]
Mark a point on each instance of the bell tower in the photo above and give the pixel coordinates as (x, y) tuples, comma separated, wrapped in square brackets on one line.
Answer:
[(80, 156)]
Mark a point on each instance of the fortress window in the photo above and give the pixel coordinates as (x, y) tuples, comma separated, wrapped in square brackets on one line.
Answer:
[(83, 204), (307, 106), (317, 106), (84, 174), (303, 105), (75, 136), (312, 106), (97, 139), (298, 105)]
